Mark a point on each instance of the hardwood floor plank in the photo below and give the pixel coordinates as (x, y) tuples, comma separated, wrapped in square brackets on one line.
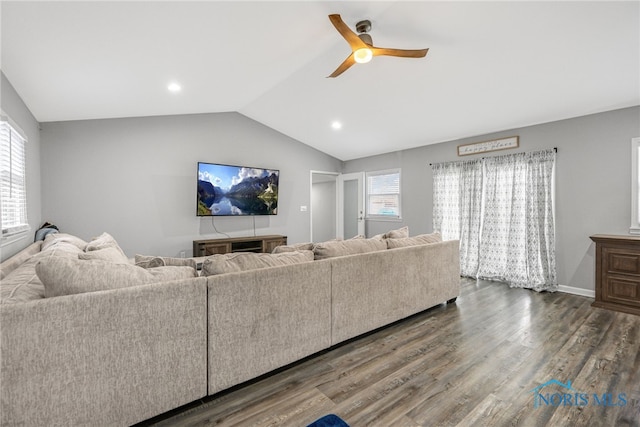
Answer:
[(472, 363), (468, 385), (405, 348), (393, 394), (296, 410), (484, 414)]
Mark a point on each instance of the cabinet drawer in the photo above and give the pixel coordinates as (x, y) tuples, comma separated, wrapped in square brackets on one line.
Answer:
[(270, 245), (618, 261), (622, 289), (213, 249)]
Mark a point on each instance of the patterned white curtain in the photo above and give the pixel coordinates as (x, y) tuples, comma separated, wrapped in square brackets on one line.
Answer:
[(501, 209), (457, 206)]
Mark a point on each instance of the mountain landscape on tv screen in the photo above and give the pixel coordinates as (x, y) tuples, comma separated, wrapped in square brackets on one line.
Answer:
[(251, 196)]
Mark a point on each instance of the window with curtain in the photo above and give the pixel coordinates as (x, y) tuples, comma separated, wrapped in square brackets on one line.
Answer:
[(383, 194), (502, 211), (13, 187)]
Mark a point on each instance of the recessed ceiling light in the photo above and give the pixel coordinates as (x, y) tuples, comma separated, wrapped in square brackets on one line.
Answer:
[(174, 87), (336, 125)]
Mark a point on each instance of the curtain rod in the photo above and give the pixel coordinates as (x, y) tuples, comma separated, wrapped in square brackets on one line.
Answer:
[(554, 149)]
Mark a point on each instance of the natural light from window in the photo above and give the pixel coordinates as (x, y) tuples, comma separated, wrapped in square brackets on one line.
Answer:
[(13, 187), (383, 194)]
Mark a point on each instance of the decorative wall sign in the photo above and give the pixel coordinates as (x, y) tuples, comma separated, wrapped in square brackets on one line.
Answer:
[(485, 146)]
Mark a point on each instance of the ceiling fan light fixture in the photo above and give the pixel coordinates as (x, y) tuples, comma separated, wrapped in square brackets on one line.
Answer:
[(363, 55), (362, 48)]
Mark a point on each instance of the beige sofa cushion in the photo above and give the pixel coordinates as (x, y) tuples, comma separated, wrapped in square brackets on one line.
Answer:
[(18, 259), (347, 247), (55, 238), (109, 254), (293, 248), (22, 284), (236, 262), (400, 233), (413, 241), (105, 240), (150, 261), (65, 276)]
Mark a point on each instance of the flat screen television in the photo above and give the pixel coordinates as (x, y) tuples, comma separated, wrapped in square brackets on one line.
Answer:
[(227, 190)]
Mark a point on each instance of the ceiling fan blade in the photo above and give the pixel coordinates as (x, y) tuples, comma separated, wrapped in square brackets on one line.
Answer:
[(351, 37), (405, 53), (344, 66)]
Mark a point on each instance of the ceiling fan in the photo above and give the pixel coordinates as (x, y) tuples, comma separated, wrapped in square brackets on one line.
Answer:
[(362, 46)]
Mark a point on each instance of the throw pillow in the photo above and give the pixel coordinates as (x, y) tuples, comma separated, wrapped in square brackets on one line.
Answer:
[(109, 254), (393, 234), (400, 233), (293, 248), (236, 262), (66, 276), (347, 247), (103, 241), (421, 239), (150, 261)]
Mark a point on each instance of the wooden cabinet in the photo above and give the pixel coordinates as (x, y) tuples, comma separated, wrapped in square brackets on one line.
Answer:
[(237, 244), (617, 273)]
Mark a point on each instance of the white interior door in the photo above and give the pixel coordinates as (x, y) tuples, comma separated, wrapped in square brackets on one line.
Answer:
[(350, 205)]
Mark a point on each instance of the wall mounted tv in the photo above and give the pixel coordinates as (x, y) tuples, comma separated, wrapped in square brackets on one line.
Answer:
[(228, 190)]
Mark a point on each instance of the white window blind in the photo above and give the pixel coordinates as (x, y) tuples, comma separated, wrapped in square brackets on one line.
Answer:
[(13, 187), (383, 194)]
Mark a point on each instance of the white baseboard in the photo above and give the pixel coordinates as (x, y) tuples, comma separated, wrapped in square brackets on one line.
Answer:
[(577, 291)]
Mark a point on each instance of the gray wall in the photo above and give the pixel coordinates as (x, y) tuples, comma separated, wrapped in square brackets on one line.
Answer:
[(593, 182), (136, 178), (323, 205), (13, 106)]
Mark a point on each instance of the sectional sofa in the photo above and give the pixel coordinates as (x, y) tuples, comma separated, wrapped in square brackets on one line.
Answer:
[(89, 337)]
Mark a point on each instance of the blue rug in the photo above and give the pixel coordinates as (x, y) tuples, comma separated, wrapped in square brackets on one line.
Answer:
[(330, 420)]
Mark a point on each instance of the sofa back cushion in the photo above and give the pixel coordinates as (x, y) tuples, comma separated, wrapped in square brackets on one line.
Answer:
[(421, 239), (66, 276), (150, 261), (22, 284), (337, 248), (394, 234), (236, 262), (55, 238), (293, 248), (109, 254)]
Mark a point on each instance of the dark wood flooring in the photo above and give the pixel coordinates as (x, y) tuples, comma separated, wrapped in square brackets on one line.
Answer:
[(472, 363)]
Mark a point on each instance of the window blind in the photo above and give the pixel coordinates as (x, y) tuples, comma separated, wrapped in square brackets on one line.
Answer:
[(13, 187), (383, 194)]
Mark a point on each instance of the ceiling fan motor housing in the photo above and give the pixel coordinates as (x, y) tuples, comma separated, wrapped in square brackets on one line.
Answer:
[(366, 38), (363, 27)]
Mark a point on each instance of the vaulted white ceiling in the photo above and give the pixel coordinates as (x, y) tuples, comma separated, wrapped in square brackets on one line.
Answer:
[(491, 65)]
